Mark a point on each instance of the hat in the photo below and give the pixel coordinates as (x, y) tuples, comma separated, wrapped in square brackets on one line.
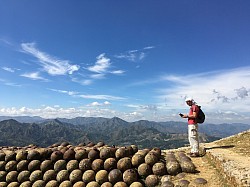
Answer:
[(188, 99)]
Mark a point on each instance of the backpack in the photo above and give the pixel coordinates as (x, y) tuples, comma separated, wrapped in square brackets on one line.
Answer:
[(201, 116)]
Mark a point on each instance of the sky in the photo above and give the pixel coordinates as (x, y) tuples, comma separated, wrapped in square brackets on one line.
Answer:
[(134, 59)]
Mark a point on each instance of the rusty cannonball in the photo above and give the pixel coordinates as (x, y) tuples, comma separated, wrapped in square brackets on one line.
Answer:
[(124, 163), (93, 184), (10, 155), (151, 158), (46, 165), (120, 184), (11, 176), (136, 184), (33, 155), (23, 176), (49, 175), (72, 165), (26, 184), (110, 163), (107, 184), (159, 168), (13, 184), (66, 183), (62, 175), (106, 152), (11, 166), (88, 176), (39, 183), (3, 176), (36, 175), (34, 165), (101, 176), (81, 154), (21, 155), (115, 176), (144, 170), (137, 159), (97, 165), (22, 165), (69, 155), (130, 176), (56, 155), (60, 165), (52, 183), (94, 154), (121, 152), (79, 184), (75, 176), (85, 164), (152, 181)]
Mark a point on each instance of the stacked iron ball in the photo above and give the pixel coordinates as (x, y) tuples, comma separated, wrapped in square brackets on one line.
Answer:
[(91, 165)]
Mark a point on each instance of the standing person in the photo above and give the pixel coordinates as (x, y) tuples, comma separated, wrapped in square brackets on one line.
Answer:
[(192, 126)]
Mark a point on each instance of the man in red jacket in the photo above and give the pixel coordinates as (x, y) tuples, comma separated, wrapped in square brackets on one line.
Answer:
[(192, 127)]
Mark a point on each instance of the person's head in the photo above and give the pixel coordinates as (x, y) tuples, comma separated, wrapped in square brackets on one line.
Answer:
[(189, 101)]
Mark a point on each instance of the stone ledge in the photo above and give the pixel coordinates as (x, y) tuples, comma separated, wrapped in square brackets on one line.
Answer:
[(234, 172)]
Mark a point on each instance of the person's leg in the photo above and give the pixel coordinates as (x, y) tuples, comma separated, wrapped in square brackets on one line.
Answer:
[(193, 138)]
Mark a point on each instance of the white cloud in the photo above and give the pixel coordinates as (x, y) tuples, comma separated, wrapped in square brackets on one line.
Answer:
[(106, 103), (117, 72), (33, 76), (101, 97), (8, 69), (51, 65), (71, 93), (102, 64), (226, 90)]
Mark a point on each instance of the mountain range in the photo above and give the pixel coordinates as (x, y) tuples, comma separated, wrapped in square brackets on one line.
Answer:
[(25, 130)]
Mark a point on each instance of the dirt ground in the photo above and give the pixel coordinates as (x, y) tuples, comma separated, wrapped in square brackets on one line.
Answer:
[(234, 149)]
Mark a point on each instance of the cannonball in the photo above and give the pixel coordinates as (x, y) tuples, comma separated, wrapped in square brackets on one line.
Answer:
[(130, 176), (173, 167), (66, 184), (137, 159), (62, 175), (60, 165), (13, 184), (144, 170), (115, 176), (3, 184), (49, 175), (33, 155), (106, 153), (52, 183), (110, 163), (85, 164), (94, 154), (121, 152), (2, 156), (81, 154), (39, 183), (3, 176), (120, 184), (101, 176), (188, 167), (124, 163), (69, 155), (23, 176), (56, 155), (79, 184), (72, 165), (159, 168), (93, 184), (11, 166), (22, 165), (75, 175), (26, 184), (2, 165), (88, 176), (21, 155), (152, 181), (34, 165), (36, 175), (151, 158), (136, 184), (11, 176), (46, 165), (107, 184), (97, 165), (10, 155)]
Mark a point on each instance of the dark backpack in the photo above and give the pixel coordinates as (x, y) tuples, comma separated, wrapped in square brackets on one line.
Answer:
[(201, 116)]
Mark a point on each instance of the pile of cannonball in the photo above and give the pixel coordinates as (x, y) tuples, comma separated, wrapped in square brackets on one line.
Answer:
[(90, 165)]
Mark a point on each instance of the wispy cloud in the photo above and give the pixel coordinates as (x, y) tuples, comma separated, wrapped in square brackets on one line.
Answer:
[(134, 55), (94, 104), (8, 69), (51, 65), (89, 96), (7, 83), (64, 91), (101, 97), (219, 90), (34, 76)]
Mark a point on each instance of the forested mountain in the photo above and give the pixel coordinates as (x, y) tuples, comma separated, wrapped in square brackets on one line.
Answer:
[(114, 131)]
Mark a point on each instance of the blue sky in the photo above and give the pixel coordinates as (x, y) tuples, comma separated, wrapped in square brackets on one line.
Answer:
[(131, 59)]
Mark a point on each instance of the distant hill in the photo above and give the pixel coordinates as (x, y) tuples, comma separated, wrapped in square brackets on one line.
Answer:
[(114, 131)]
